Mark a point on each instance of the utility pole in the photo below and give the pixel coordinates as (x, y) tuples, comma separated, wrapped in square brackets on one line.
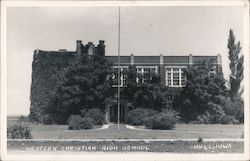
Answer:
[(119, 72)]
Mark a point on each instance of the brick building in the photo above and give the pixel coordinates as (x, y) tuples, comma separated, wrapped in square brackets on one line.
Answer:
[(170, 67)]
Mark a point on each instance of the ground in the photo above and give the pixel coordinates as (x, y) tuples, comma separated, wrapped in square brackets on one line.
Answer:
[(182, 131), (183, 139)]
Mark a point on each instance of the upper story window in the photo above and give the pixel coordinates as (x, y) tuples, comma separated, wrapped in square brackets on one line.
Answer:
[(123, 76), (142, 72), (175, 76)]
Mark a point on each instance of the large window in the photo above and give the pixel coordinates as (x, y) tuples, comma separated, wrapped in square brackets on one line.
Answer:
[(143, 73), (123, 76), (175, 77)]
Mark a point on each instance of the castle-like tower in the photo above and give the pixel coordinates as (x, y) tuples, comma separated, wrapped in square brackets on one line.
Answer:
[(90, 49)]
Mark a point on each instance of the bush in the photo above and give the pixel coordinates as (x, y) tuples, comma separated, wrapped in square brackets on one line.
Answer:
[(48, 120), (76, 122), (150, 112), (96, 114), (202, 119), (138, 115), (36, 115), (86, 123), (216, 112), (235, 108), (212, 115), (19, 131), (149, 122), (228, 120), (165, 120)]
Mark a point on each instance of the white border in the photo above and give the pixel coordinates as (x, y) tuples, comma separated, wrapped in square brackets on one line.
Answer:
[(120, 156)]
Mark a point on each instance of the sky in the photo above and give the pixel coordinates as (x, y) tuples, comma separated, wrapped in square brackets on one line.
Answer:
[(144, 31)]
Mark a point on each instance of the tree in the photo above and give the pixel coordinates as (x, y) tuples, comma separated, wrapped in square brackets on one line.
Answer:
[(131, 85), (236, 66), (200, 96), (147, 93), (86, 86)]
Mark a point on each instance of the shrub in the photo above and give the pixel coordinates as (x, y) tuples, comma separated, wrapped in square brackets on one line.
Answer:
[(227, 119), (165, 120), (36, 115), (86, 123), (76, 122), (96, 114), (150, 112), (18, 131), (235, 108), (212, 115), (202, 119), (48, 120), (137, 116), (216, 112), (149, 122)]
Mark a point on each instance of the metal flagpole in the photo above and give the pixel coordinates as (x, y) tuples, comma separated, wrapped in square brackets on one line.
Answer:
[(119, 61)]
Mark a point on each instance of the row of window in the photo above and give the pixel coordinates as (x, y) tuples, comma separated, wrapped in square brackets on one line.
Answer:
[(175, 76)]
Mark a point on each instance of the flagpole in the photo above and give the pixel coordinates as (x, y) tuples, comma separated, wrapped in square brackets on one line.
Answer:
[(119, 71)]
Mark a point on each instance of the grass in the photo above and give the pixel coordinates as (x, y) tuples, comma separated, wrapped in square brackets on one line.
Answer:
[(182, 131)]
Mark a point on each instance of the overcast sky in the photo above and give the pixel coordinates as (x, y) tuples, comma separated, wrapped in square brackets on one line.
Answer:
[(144, 31)]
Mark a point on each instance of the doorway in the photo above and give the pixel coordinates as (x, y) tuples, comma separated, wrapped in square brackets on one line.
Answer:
[(114, 114)]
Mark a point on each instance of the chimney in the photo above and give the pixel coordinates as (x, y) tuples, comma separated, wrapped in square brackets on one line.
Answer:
[(90, 49), (101, 42), (190, 59), (101, 48), (218, 59), (161, 59), (132, 59), (78, 47), (90, 44)]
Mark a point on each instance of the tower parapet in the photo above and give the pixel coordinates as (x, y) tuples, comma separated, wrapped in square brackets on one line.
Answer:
[(90, 49)]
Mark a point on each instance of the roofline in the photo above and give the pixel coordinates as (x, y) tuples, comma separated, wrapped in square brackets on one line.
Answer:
[(55, 51), (169, 55)]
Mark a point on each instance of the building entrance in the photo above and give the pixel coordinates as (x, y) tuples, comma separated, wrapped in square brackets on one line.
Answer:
[(114, 114)]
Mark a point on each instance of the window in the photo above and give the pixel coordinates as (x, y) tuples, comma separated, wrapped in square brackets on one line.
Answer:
[(142, 72), (123, 76), (175, 76)]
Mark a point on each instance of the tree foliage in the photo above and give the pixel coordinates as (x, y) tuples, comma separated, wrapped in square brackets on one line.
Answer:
[(147, 93), (86, 86), (236, 65), (200, 97)]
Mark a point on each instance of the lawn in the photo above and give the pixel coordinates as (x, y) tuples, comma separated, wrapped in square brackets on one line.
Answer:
[(111, 139), (182, 131)]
